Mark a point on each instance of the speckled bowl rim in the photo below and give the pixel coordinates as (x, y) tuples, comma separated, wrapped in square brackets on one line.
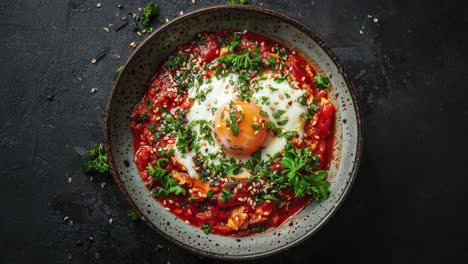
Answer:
[(344, 74)]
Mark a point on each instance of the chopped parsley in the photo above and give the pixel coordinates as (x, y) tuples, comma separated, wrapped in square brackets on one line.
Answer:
[(176, 61), (271, 62), (149, 105), (234, 119), (225, 195), (201, 40), (237, 2), (97, 162), (321, 82), (257, 229), (206, 228), (118, 71), (234, 43), (133, 216), (282, 122), (209, 194), (142, 118), (278, 113)]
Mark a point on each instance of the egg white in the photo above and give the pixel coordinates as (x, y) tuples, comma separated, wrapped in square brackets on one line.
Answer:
[(219, 92)]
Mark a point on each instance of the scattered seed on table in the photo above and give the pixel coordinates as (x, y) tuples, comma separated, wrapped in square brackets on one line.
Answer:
[(93, 61), (106, 29), (119, 5), (133, 45), (93, 90), (181, 12), (98, 5)]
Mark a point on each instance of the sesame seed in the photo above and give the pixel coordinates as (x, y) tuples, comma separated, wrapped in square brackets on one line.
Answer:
[(194, 1), (303, 78), (133, 45), (171, 202), (167, 20), (93, 61), (111, 220), (244, 32), (106, 29), (181, 12), (98, 5), (93, 90), (167, 208)]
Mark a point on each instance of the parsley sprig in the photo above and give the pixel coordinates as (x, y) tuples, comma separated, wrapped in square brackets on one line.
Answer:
[(298, 164), (97, 161), (321, 82), (248, 60), (164, 176), (149, 12)]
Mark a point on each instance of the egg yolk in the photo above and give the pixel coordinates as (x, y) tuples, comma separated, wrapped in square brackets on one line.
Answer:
[(238, 127)]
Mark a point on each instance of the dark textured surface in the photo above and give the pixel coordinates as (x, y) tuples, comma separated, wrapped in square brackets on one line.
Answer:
[(408, 204)]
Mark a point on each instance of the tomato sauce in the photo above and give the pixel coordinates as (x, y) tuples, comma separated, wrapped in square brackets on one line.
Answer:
[(213, 212)]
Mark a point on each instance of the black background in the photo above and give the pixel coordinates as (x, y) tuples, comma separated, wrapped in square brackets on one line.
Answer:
[(408, 204)]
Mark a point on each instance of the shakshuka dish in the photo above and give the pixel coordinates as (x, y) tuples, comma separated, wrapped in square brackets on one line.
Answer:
[(235, 133)]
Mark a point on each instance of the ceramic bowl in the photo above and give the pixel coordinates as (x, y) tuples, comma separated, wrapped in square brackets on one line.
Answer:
[(132, 83)]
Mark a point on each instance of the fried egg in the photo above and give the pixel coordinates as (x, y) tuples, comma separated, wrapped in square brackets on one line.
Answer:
[(238, 128)]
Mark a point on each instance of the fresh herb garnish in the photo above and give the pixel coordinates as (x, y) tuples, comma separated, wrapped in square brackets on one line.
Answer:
[(257, 229), (133, 216), (234, 119), (97, 161), (278, 113), (149, 12), (164, 176), (270, 197), (118, 71), (321, 82), (152, 128), (237, 2), (176, 61), (271, 62), (248, 60), (201, 40), (298, 164), (234, 43), (206, 228), (142, 118), (282, 122), (149, 105), (225, 195), (209, 194)]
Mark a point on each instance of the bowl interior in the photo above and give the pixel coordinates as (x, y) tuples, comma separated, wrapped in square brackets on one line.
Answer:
[(132, 84)]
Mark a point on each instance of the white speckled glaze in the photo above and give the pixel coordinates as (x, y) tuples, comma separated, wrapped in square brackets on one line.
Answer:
[(132, 83)]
